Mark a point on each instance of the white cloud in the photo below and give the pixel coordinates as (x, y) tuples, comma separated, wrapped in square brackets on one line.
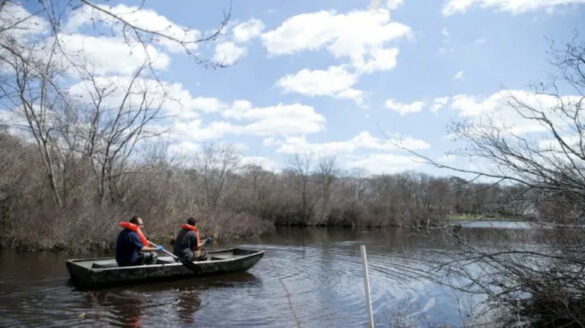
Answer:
[(247, 31), (358, 35), (227, 53), (496, 109), (458, 76), (143, 18), (184, 113), (446, 50), (98, 52), (385, 163), (377, 60), (264, 162), (14, 122), (513, 6), (363, 140), (17, 22), (394, 4), (241, 118), (404, 109), (446, 159), (335, 82), (278, 120), (445, 32), (439, 103), (456, 6), (184, 149)]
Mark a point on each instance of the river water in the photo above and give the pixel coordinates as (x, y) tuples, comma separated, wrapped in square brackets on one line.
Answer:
[(307, 278)]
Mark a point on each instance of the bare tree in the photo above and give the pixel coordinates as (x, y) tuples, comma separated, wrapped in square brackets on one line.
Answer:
[(326, 176), (301, 169), (542, 285), (214, 165), (37, 71)]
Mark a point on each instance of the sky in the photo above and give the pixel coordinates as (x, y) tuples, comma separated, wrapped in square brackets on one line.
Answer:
[(349, 79)]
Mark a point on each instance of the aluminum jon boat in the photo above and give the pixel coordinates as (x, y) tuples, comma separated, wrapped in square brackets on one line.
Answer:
[(101, 272)]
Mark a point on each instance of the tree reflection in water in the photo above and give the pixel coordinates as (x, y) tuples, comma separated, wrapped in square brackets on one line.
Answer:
[(127, 307), (189, 302)]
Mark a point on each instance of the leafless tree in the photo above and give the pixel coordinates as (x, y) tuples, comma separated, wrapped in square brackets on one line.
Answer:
[(215, 164), (36, 68), (326, 175), (301, 173), (543, 285)]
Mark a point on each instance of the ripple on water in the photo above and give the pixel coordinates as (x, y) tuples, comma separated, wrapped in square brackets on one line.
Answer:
[(316, 284)]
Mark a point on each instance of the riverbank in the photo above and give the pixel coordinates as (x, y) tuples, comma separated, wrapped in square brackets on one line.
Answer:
[(479, 217)]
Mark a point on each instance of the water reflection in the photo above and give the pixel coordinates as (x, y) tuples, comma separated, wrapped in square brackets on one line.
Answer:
[(123, 308), (189, 303), (310, 276)]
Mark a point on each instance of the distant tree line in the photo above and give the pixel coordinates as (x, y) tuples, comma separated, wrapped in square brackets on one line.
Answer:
[(233, 200)]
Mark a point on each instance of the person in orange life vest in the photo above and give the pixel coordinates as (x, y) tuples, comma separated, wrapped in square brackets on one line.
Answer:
[(188, 245), (132, 248)]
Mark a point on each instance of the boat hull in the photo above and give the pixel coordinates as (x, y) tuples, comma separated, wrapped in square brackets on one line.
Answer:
[(104, 272)]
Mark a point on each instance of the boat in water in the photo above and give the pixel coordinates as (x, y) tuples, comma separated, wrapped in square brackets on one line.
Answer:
[(101, 272)]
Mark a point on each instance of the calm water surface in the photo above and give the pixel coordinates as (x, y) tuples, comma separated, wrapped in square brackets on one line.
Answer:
[(307, 278)]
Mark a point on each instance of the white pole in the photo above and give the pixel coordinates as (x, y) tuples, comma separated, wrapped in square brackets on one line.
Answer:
[(367, 284)]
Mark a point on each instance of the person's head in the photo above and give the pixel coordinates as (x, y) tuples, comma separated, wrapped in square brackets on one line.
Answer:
[(191, 221), (137, 221)]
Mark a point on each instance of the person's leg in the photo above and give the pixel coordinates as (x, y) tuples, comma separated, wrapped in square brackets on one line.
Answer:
[(139, 259), (150, 258), (189, 256), (201, 255)]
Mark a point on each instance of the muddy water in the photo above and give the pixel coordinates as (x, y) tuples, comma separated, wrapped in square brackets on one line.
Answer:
[(307, 278)]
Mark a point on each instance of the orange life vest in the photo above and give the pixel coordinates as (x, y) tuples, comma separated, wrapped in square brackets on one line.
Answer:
[(135, 228), (192, 228)]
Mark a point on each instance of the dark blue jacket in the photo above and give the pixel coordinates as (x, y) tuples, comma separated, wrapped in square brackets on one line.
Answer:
[(128, 247)]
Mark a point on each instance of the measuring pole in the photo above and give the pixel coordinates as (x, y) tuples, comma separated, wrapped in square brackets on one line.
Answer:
[(367, 285)]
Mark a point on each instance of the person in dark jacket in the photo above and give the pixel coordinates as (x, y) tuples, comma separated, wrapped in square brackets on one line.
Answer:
[(132, 248), (188, 245)]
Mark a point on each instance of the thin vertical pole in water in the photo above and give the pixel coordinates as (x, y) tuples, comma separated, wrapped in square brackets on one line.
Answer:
[(367, 284)]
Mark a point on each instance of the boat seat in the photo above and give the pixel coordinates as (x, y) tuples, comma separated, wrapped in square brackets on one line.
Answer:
[(165, 261), (104, 265)]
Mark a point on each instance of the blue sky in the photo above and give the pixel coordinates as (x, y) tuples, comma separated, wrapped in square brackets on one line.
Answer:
[(349, 79)]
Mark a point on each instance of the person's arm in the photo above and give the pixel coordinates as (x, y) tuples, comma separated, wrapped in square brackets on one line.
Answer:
[(138, 243), (204, 242), (149, 249)]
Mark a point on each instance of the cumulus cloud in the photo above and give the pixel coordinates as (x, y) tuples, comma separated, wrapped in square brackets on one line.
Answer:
[(335, 82), (264, 162), (360, 36), (394, 4), (17, 22), (377, 60), (513, 6), (241, 118), (497, 109), (184, 114), (385, 163), (363, 140), (458, 76), (146, 19), (439, 103), (247, 31), (97, 54), (227, 53), (404, 109), (445, 32)]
